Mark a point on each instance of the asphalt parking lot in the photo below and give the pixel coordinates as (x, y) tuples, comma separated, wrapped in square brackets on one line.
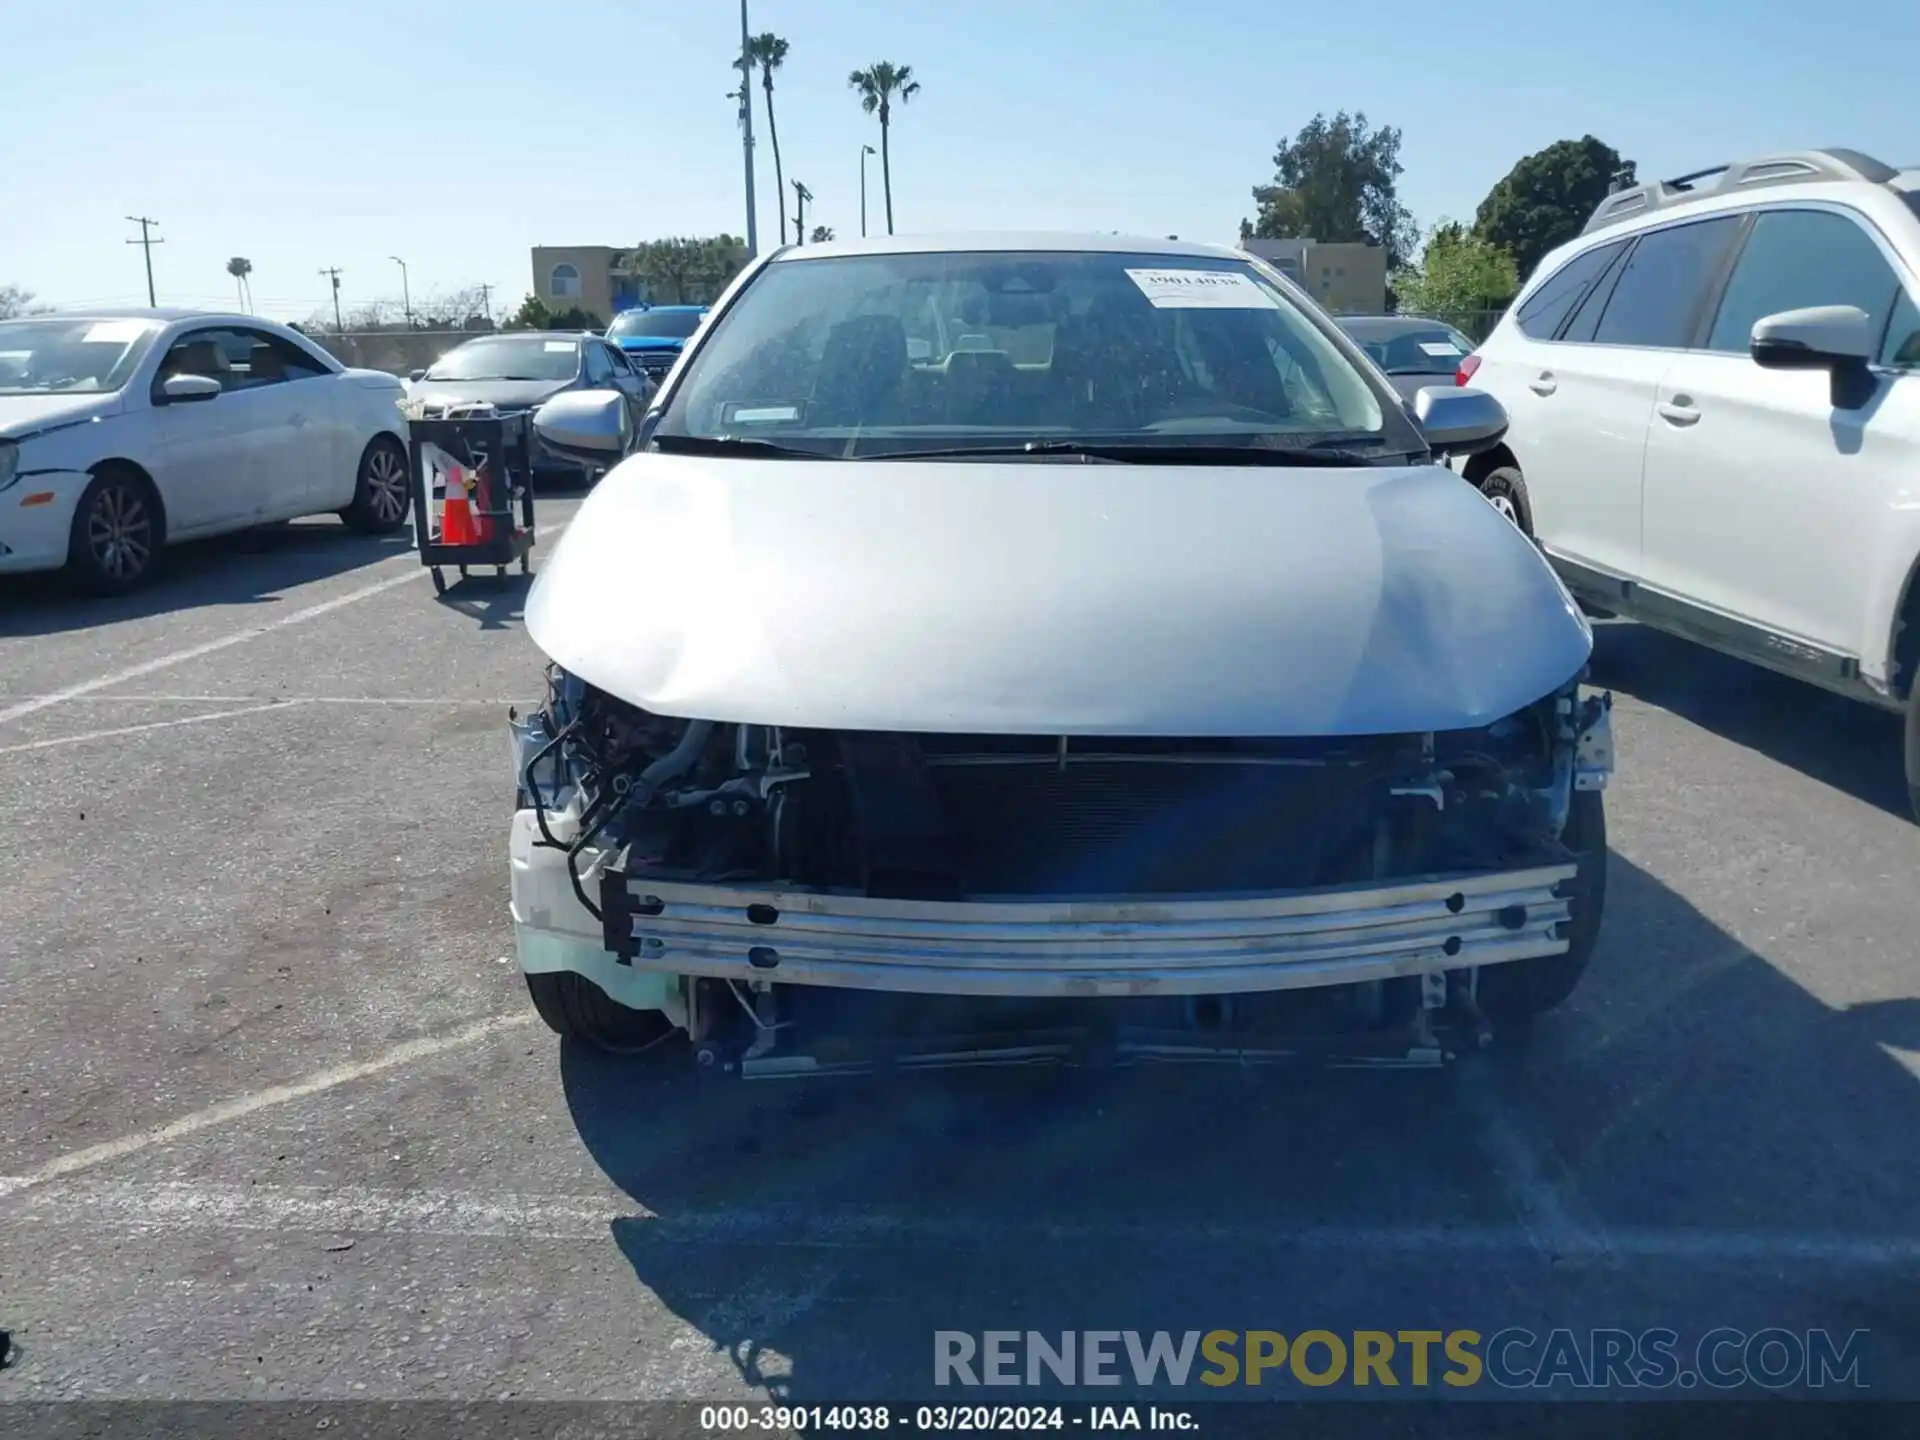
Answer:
[(276, 1119)]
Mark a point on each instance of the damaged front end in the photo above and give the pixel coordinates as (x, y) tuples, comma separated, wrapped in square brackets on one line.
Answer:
[(805, 900)]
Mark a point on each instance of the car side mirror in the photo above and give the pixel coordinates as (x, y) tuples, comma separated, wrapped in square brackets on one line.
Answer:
[(592, 426), (1839, 339), (416, 375), (185, 389), (1459, 420)]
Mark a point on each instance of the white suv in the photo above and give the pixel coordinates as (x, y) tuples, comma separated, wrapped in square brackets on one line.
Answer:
[(1715, 403)]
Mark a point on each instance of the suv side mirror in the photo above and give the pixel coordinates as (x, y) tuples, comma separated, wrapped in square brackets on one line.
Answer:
[(1836, 338), (1819, 338), (416, 375), (1459, 420), (183, 389)]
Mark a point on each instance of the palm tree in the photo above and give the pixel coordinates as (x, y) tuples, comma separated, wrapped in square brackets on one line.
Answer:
[(240, 268), (880, 84), (768, 51)]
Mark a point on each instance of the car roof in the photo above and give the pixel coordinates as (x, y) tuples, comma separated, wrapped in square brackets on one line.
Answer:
[(989, 241), (159, 316)]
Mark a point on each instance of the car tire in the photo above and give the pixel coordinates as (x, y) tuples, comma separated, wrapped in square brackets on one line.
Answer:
[(382, 492), (118, 532), (1506, 490), (577, 1009), (1521, 989), (1913, 749)]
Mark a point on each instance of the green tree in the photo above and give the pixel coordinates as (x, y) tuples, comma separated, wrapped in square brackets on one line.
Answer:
[(1548, 197), (533, 314), (15, 301), (684, 269), (1335, 181), (769, 51), (880, 84), (239, 267), (1460, 277)]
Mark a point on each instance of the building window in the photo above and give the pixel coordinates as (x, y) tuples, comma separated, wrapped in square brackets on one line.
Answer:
[(565, 284)]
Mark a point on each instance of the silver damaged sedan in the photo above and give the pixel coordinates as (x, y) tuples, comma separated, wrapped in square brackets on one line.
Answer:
[(1013, 649)]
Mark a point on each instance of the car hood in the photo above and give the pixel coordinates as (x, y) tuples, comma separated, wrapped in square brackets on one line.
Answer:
[(1054, 599), (23, 416), (507, 394)]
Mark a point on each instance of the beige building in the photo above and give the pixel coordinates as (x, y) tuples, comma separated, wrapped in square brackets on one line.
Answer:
[(1347, 278), (583, 275)]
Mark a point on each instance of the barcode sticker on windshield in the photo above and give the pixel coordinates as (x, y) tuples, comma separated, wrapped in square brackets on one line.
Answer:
[(1201, 290), (114, 332), (559, 347), (1440, 348)]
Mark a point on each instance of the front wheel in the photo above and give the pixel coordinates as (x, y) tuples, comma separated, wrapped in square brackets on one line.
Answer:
[(117, 532), (380, 490), (577, 1009), (1521, 989)]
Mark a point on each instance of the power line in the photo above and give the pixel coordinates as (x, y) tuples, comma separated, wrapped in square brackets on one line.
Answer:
[(146, 242), (332, 272)]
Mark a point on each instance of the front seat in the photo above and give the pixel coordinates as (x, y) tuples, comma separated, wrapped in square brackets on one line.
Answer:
[(862, 369), (198, 357)]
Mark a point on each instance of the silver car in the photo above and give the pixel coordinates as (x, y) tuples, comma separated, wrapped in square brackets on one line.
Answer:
[(1412, 351), (1021, 648)]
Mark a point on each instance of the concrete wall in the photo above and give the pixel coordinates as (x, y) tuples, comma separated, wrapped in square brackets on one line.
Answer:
[(1345, 277)]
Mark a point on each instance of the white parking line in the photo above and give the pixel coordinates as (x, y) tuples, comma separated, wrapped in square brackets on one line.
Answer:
[(209, 647), (458, 1214), (142, 729), (439, 701), (425, 1047)]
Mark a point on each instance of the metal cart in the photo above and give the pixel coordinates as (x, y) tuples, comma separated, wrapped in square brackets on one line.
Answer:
[(489, 456)]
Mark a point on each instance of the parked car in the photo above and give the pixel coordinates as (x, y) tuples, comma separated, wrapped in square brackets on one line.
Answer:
[(518, 371), (653, 335), (124, 430), (1162, 670), (1715, 394), (1411, 351)]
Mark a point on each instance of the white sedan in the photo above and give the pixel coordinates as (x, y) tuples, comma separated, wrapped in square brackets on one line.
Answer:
[(123, 431)]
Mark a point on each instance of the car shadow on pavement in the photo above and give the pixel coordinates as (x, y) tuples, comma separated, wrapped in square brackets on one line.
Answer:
[(1669, 1149), (492, 602), (250, 567), (1849, 745)]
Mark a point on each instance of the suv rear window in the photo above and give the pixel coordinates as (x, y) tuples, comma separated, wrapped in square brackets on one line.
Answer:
[(1553, 300)]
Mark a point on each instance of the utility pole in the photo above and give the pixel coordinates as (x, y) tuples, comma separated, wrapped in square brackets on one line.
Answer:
[(146, 242), (486, 301), (746, 127), (406, 294), (801, 195), (865, 150), (332, 272)]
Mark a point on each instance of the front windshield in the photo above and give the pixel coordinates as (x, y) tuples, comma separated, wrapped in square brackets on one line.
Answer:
[(925, 351), (71, 355), (510, 357), (1402, 347), (661, 324)]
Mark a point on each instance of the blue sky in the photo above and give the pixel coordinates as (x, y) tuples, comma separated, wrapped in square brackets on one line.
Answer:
[(457, 135)]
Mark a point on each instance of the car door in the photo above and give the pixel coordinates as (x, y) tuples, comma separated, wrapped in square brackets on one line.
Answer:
[(1762, 494), (1599, 387), (240, 458), (308, 419), (631, 382)]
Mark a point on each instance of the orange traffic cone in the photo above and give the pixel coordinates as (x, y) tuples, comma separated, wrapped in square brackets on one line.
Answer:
[(456, 511)]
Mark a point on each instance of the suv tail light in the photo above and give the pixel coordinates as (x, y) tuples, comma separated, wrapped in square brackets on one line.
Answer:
[(1468, 365)]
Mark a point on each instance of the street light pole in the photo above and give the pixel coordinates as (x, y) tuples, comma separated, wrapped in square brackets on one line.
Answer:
[(746, 128), (865, 150), (406, 294)]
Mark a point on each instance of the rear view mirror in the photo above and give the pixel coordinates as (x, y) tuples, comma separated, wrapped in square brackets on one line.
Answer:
[(1839, 339), (1459, 420), (592, 426), (184, 389)]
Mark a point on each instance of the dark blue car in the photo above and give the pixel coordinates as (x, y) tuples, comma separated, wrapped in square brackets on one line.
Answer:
[(652, 337)]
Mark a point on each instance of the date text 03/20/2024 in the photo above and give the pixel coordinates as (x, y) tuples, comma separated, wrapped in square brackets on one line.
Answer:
[(939, 1419)]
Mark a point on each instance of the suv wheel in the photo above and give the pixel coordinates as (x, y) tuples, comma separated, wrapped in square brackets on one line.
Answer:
[(1506, 491)]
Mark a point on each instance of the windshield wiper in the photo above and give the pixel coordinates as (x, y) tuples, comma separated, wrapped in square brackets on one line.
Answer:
[(732, 445), (1128, 453)]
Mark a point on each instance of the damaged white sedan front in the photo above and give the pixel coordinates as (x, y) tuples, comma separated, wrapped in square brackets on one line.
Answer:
[(1035, 649)]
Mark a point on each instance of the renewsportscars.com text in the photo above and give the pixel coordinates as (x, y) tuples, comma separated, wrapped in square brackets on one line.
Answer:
[(1513, 1358)]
